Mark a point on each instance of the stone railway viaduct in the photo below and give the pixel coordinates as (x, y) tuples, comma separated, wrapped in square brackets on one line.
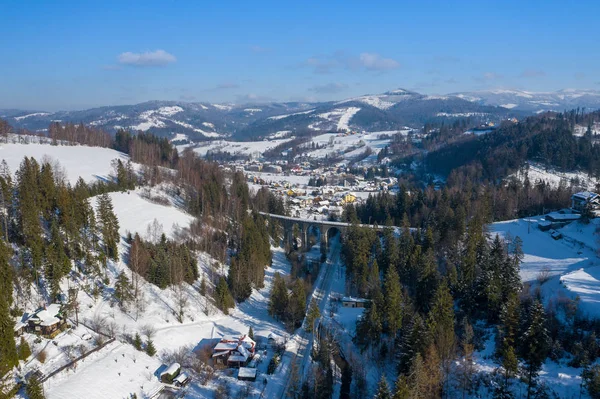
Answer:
[(304, 225)]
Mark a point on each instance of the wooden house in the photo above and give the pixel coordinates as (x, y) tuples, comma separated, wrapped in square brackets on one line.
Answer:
[(234, 351), (46, 320)]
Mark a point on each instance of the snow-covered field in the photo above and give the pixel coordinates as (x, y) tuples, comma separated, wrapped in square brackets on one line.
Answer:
[(352, 145), (91, 163), (238, 147), (136, 213)]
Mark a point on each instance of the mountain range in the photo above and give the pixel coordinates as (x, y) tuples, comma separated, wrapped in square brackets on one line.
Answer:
[(379, 112)]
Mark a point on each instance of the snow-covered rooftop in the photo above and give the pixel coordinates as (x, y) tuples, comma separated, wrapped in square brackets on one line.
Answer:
[(171, 370)]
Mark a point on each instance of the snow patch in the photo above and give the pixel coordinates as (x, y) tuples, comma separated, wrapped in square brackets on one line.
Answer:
[(19, 118)]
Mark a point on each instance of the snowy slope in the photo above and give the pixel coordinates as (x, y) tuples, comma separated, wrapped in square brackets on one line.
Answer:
[(538, 172), (239, 147), (91, 163), (571, 260), (340, 116), (118, 370), (136, 213)]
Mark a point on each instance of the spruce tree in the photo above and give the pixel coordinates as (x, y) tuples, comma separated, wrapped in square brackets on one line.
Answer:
[(150, 349), (278, 301), (250, 333), (223, 297), (296, 309), (137, 341), (313, 314), (24, 349), (383, 390), (123, 289), (440, 323), (401, 389), (34, 389), (393, 301), (109, 226), (203, 286), (8, 350), (535, 344)]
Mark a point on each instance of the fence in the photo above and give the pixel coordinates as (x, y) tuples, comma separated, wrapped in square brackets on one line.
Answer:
[(71, 363)]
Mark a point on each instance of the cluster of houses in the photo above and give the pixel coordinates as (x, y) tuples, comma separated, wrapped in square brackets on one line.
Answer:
[(48, 321), (324, 200)]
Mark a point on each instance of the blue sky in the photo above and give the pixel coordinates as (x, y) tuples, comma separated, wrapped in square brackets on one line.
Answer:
[(79, 54)]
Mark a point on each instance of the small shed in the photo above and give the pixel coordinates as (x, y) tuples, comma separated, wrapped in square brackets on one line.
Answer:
[(247, 374), (169, 375), (350, 302)]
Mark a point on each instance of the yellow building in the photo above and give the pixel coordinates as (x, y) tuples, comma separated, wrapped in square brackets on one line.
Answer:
[(348, 198)]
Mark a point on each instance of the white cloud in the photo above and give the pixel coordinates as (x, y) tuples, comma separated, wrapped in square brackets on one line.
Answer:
[(149, 58), (375, 62), (324, 64)]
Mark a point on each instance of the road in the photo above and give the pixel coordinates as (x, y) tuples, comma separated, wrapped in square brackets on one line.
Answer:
[(321, 295)]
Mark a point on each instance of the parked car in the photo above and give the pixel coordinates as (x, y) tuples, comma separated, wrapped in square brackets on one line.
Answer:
[(555, 234)]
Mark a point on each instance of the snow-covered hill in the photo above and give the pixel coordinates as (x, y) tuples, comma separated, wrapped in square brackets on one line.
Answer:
[(530, 101), (202, 121), (90, 163)]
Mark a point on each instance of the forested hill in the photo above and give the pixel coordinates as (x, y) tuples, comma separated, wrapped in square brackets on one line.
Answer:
[(564, 140)]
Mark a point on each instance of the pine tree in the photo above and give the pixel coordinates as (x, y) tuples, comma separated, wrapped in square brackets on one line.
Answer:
[(427, 280), (296, 308), (150, 349), (466, 366), (440, 323), (370, 326), (109, 226), (251, 333), (203, 286), (28, 209), (223, 297), (278, 301), (24, 349), (393, 301), (591, 380), (373, 281), (383, 391), (123, 289), (8, 350), (415, 341), (34, 389), (137, 341), (401, 389), (313, 314), (534, 344)]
